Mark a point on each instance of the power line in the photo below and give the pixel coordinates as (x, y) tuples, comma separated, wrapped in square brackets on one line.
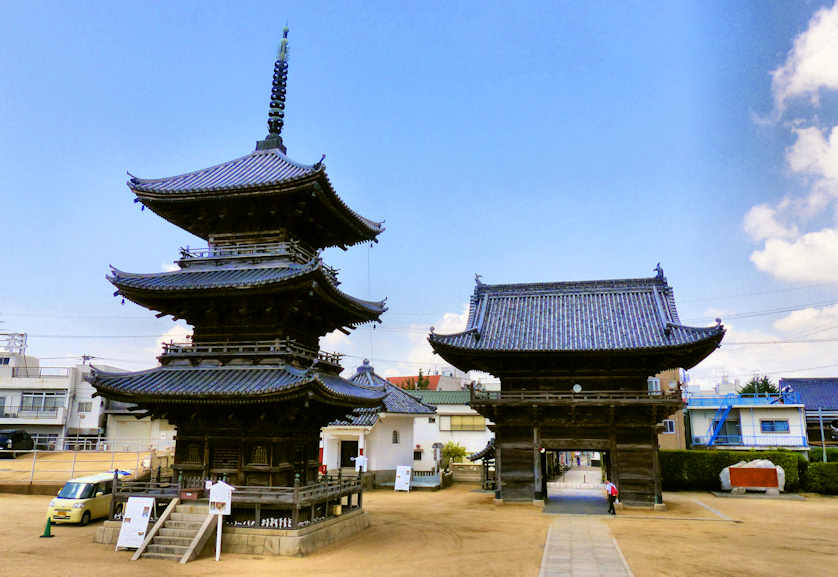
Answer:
[(781, 342), (776, 311), (753, 293)]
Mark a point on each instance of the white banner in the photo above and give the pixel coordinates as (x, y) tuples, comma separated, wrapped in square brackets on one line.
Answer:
[(135, 519), (402, 479)]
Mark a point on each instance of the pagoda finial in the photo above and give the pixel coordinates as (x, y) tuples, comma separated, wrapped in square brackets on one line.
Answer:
[(276, 109)]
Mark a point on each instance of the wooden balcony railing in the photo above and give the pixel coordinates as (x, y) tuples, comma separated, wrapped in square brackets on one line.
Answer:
[(313, 498), (568, 397), (276, 347)]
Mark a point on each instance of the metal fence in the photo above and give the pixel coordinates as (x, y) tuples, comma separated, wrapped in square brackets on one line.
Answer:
[(760, 441), (47, 467), (54, 442)]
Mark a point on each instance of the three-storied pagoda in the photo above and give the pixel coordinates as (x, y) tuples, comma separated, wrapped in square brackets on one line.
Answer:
[(251, 391), (574, 360)]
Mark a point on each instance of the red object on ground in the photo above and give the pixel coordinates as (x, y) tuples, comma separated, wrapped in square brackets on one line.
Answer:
[(753, 477), (190, 494)]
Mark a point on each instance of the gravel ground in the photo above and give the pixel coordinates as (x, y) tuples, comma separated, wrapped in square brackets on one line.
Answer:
[(460, 532)]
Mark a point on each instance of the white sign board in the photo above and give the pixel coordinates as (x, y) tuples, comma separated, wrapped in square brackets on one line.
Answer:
[(220, 497), (402, 479), (135, 519)]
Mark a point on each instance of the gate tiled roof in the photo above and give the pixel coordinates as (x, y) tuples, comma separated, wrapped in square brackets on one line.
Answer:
[(575, 316)]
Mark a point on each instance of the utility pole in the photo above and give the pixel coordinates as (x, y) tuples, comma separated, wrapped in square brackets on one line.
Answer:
[(823, 441)]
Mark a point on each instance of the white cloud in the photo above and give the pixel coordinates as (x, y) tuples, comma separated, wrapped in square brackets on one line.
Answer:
[(177, 334), (815, 153), (811, 63), (775, 360), (812, 257), (169, 267), (790, 252), (421, 351), (761, 223)]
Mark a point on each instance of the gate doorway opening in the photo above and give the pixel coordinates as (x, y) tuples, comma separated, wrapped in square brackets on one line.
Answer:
[(572, 482)]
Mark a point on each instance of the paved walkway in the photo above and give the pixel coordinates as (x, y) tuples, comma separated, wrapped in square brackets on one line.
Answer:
[(580, 546), (577, 492)]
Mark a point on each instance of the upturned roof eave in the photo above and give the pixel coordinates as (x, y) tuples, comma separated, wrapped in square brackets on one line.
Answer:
[(440, 346), (283, 394), (371, 310), (366, 228)]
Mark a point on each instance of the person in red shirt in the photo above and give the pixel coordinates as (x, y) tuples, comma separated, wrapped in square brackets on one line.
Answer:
[(611, 491)]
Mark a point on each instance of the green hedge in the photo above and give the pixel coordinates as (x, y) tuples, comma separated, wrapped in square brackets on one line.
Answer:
[(816, 455), (699, 470), (821, 478)]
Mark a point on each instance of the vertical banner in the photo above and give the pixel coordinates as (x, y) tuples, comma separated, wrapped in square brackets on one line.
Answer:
[(402, 479), (135, 519)]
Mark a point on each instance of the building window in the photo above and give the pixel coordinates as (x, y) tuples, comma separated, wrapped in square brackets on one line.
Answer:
[(42, 401), (85, 406), (467, 423), (4, 360), (774, 426), (395, 437), (417, 455), (668, 426), (432, 419), (654, 384)]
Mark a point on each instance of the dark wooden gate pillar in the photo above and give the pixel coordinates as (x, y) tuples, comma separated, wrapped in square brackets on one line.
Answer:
[(536, 464)]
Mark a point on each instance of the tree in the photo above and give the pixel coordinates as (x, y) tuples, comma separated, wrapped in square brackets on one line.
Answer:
[(759, 384), (452, 451), (421, 383)]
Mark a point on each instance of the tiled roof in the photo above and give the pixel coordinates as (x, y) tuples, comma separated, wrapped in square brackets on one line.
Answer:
[(233, 384), (397, 401), (189, 279), (575, 316), (408, 382), (487, 452), (261, 170), (815, 393), (258, 169), (436, 398)]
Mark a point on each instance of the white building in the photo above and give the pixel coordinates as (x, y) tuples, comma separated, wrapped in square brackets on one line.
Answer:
[(748, 421), (454, 421), (382, 436), (55, 405), (125, 432)]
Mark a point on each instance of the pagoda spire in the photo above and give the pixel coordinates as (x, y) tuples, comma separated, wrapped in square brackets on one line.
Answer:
[(276, 109)]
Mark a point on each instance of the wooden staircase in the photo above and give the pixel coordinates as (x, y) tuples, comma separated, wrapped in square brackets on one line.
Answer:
[(180, 535)]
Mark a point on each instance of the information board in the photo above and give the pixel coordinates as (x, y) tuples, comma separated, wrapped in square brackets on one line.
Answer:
[(220, 497), (402, 479), (135, 519)]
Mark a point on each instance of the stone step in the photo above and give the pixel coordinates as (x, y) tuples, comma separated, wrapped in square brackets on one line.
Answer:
[(192, 509), (195, 517), (175, 532), (178, 550), (169, 556), (182, 541), (187, 525)]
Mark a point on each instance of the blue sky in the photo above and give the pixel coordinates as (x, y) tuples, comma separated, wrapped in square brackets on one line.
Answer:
[(527, 143)]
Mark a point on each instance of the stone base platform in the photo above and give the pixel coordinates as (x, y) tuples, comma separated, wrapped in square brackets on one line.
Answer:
[(257, 541)]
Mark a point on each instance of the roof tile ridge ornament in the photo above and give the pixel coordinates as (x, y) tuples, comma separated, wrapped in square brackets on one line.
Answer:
[(276, 109), (659, 276)]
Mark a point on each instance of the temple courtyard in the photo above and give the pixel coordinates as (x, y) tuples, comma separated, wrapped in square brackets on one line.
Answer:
[(460, 532)]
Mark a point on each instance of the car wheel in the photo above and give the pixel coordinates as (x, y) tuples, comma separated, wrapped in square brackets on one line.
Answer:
[(85, 519)]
